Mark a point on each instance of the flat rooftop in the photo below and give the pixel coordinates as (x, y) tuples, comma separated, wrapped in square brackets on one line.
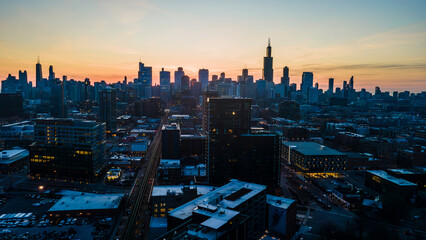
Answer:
[(279, 201), (87, 202), (224, 192), (9, 156), (312, 149), (178, 189), (386, 176), (408, 171)]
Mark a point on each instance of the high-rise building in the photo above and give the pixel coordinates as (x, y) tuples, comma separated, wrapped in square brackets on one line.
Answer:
[(307, 82), (57, 99), (39, 74), (233, 152), (184, 84), (165, 90), (67, 148), (108, 107), (331, 85), (268, 71), (144, 84), (170, 141), (178, 77), (203, 77), (351, 83), (51, 73), (285, 80)]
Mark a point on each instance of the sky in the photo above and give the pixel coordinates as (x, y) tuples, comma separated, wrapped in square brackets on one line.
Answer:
[(380, 43)]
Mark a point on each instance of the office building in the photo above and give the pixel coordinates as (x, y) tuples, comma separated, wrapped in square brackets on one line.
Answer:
[(307, 82), (51, 73), (165, 86), (39, 74), (144, 82), (312, 157), (203, 77), (178, 77), (170, 141), (184, 84), (331, 85), (108, 108), (268, 71), (285, 80), (67, 148), (236, 210)]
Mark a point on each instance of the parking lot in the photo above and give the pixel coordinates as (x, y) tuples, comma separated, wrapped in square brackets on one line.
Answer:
[(25, 216)]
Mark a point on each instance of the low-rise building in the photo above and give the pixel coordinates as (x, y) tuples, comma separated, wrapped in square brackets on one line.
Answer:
[(312, 157), (383, 182), (13, 160), (236, 210)]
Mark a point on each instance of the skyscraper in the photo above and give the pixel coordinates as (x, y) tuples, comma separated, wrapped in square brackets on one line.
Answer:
[(144, 81), (178, 78), (184, 83), (203, 77), (268, 71), (285, 80), (39, 74), (108, 107), (331, 85), (351, 83), (51, 73), (307, 82), (165, 85), (233, 152)]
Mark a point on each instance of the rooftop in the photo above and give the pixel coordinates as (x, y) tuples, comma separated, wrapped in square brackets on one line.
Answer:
[(219, 196), (9, 156), (87, 202), (279, 201), (312, 148), (178, 189), (384, 175)]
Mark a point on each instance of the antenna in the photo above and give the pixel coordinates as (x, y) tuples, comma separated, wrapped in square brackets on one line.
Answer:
[(38, 59), (269, 42)]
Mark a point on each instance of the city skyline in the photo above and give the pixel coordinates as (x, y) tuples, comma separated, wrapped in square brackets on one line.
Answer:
[(104, 41)]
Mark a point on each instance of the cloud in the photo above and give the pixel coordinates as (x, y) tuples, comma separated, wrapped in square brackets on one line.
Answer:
[(314, 67)]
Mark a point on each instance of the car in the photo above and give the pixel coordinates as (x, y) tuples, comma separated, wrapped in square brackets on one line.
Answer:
[(36, 204), (309, 229)]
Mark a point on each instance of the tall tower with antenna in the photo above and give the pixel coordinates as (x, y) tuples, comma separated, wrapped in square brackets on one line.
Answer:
[(268, 71)]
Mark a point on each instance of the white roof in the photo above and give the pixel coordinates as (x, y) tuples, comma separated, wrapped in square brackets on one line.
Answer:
[(390, 178), (177, 189), (87, 202), (279, 201), (187, 209)]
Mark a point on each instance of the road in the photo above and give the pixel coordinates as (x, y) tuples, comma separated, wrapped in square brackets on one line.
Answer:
[(136, 217)]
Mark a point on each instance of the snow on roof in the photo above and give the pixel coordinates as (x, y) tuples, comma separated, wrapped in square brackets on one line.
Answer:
[(279, 201), (178, 189), (390, 178), (211, 198), (87, 202)]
